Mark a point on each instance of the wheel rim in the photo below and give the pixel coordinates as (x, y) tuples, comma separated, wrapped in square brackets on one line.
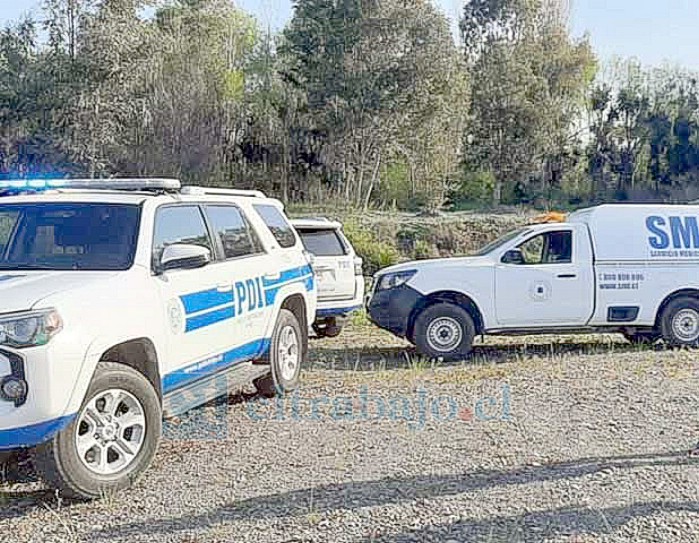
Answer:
[(685, 325), (288, 350), (111, 432), (444, 334)]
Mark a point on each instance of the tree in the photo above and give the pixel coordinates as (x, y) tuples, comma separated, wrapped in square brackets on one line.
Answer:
[(529, 81), (644, 133), (31, 102), (376, 75)]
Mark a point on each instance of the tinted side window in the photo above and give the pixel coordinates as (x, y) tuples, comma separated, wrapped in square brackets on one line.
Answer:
[(322, 242), (559, 248), (179, 224), (277, 224), (236, 235), (8, 219), (549, 248)]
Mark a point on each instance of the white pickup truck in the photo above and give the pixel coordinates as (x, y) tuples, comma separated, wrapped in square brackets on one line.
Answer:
[(632, 269)]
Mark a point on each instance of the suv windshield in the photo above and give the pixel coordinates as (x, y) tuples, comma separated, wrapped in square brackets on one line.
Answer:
[(68, 236)]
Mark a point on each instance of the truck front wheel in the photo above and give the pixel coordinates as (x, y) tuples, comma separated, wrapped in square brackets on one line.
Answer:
[(112, 440), (679, 322), (444, 331)]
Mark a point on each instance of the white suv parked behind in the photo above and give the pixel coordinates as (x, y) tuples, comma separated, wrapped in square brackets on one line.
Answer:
[(338, 272), (123, 300)]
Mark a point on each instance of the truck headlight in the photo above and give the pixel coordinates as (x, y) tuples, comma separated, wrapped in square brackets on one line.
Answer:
[(30, 328), (394, 280)]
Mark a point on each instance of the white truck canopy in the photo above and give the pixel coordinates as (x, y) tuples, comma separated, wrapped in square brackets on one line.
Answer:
[(631, 232)]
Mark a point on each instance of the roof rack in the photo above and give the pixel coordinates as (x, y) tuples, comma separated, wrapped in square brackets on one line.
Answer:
[(214, 191), (145, 184), (154, 184)]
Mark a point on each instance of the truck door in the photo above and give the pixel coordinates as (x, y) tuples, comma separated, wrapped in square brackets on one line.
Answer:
[(552, 283)]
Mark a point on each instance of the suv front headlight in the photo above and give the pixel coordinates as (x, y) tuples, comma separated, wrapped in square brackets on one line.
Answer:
[(30, 328), (394, 280)]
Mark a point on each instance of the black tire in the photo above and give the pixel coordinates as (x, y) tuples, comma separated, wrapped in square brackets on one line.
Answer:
[(280, 381), (439, 319), (679, 322), (333, 330), (327, 328), (58, 461), (642, 338)]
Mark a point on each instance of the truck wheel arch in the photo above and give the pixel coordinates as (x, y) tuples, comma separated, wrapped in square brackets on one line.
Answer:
[(451, 297), (687, 292)]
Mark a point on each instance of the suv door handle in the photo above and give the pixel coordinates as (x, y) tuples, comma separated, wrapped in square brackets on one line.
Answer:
[(273, 276), (224, 287), (567, 276)]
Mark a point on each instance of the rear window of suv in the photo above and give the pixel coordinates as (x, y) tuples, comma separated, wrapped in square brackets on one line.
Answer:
[(277, 224), (322, 242)]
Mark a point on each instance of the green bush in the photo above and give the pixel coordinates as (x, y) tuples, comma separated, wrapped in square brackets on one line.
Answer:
[(416, 241), (475, 189), (423, 250), (376, 254)]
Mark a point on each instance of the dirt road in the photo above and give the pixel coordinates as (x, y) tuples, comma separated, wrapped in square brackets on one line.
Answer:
[(583, 439)]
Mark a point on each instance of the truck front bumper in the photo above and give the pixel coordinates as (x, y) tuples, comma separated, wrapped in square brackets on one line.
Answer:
[(392, 309)]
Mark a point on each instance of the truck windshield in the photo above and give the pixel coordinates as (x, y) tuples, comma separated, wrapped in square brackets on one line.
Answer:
[(501, 241), (74, 236)]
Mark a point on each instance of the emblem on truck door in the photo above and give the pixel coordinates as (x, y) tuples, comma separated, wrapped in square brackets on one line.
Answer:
[(540, 291)]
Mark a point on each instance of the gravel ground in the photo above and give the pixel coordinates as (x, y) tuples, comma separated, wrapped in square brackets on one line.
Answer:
[(548, 439)]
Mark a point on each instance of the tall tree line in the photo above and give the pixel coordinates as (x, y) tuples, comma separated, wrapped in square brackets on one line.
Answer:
[(365, 102)]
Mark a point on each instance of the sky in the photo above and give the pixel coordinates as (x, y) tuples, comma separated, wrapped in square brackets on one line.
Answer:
[(653, 31)]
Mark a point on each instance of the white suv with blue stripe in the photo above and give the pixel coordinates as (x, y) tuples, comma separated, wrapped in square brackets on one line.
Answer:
[(125, 300), (338, 272)]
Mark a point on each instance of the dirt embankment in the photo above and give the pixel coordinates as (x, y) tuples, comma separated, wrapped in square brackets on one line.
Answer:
[(385, 238)]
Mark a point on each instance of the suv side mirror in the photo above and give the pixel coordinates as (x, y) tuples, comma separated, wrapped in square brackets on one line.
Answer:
[(513, 256), (184, 256)]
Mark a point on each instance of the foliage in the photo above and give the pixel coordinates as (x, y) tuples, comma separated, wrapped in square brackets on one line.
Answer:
[(645, 127), (375, 253), (384, 85), (529, 80), (475, 187), (360, 103)]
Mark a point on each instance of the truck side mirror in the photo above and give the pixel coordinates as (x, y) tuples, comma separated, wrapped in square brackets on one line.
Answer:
[(513, 256)]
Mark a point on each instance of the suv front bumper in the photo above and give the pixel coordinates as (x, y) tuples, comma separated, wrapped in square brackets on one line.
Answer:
[(41, 413)]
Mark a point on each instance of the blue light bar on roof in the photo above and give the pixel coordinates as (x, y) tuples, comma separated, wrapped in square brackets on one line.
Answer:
[(91, 184)]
